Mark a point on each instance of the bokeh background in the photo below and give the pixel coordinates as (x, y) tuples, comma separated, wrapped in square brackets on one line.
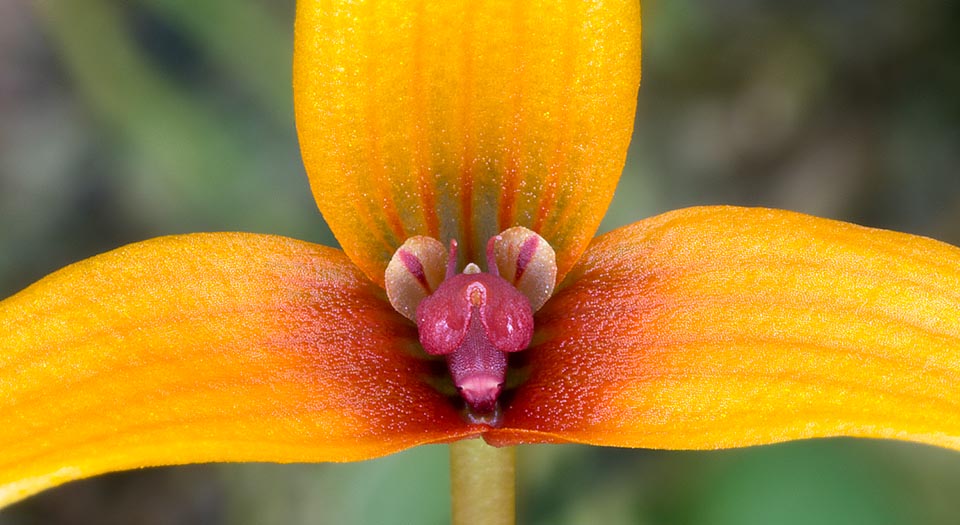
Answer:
[(127, 119)]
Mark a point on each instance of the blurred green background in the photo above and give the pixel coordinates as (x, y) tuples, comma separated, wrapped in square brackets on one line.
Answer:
[(123, 120)]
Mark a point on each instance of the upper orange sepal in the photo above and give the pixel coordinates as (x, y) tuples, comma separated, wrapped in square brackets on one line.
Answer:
[(207, 347), (460, 119), (727, 327)]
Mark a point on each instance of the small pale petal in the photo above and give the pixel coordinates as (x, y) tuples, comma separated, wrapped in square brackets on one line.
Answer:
[(415, 271), (726, 327), (458, 119), (528, 262), (207, 347)]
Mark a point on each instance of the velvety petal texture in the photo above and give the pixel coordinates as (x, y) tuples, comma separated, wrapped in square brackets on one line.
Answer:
[(207, 347), (726, 327), (459, 119)]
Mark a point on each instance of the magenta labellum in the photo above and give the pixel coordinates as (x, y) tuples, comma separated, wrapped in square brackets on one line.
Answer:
[(474, 318)]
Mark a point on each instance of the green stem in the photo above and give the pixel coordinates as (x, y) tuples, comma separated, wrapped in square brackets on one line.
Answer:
[(482, 483)]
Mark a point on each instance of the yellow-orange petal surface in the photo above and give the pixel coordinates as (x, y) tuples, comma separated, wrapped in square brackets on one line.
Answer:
[(725, 327), (459, 119), (206, 347)]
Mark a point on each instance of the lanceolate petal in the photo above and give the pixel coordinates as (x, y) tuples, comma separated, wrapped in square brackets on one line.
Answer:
[(206, 347), (726, 327), (459, 119)]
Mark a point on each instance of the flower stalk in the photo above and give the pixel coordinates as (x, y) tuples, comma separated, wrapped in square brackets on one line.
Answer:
[(482, 483)]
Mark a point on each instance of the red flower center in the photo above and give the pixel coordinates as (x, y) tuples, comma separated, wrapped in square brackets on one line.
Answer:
[(474, 318)]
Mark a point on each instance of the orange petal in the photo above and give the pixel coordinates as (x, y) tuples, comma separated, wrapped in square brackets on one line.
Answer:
[(206, 347), (459, 119), (726, 327)]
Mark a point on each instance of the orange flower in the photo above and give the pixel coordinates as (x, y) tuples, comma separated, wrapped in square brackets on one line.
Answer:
[(701, 328)]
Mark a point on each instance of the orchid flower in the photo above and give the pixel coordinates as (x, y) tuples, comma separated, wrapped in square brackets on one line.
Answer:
[(464, 154)]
